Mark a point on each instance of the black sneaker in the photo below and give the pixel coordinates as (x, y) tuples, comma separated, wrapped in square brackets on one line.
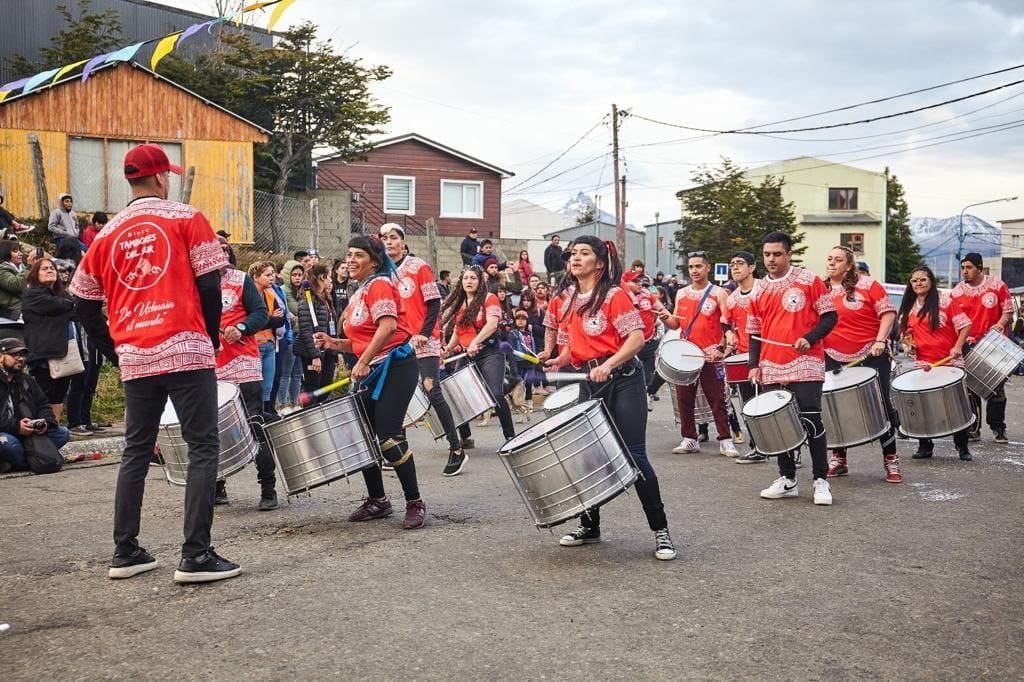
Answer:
[(127, 566), (702, 433), (752, 457), (974, 436), (268, 502), (96, 428), (205, 568), (581, 536), (456, 462), (1001, 436), (965, 454), (220, 495), (922, 453)]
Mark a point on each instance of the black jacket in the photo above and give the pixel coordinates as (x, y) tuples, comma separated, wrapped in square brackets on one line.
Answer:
[(46, 318), (468, 249), (303, 346), (553, 259), (27, 401)]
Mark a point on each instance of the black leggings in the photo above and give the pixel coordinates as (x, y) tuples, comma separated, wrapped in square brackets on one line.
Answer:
[(386, 415), (883, 365)]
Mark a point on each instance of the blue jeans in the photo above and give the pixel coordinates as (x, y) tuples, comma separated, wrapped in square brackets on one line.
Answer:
[(12, 451), (291, 376), (268, 356)]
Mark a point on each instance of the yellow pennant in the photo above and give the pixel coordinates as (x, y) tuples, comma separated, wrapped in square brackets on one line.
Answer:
[(3, 94), (67, 68), (164, 48), (278, 11)]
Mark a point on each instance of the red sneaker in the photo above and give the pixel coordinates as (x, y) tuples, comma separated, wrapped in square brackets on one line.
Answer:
[(892, 468), (415, 515), (837, 465)]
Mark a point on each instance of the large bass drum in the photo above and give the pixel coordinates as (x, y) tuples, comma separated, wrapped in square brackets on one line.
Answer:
[(852, 409), (322, 444), (932, 403), (773, 421), (238, 447), (992, 360), (568, 463)]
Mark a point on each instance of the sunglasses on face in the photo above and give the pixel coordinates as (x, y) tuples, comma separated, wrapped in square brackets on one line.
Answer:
[(696, 254)]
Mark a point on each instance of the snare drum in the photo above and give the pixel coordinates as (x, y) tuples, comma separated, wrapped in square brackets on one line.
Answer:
[(702, 413), (568, 463), (773, 420), (322, 444), (851, 407), (466, 394), (992, 360), (679, 362), (238, 447), (418, 408), (567, 396), (736, 369), (932, 403)]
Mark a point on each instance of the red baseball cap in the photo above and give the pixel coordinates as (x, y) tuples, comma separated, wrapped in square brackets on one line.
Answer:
[(146, 160), (629, 276)]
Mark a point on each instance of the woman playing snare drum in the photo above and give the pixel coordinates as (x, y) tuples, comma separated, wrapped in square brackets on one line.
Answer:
[(866, 316), (377, 334), (935, 327), (604, 333)]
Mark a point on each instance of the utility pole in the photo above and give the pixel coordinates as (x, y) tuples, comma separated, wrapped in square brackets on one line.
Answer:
[(657, 240), (620, 219), (620, 236)]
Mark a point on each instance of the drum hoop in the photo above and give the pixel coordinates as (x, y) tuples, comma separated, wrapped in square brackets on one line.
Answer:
[(502, 451)]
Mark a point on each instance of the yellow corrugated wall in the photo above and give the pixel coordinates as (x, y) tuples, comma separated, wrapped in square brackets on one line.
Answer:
[(16, 170), (223, 188)]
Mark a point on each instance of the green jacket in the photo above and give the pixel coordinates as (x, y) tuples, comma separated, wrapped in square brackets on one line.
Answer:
[(12, 285)]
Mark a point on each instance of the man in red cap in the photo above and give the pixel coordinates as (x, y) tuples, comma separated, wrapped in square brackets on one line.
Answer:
[(157, 265), (649, 307)]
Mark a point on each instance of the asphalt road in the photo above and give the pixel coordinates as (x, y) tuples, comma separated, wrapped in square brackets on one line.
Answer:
[(913, 581)]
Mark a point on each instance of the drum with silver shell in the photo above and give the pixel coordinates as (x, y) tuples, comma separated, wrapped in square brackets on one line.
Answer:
[(679, 362), (466, 394), (773, 420), (851, 407), (566, 396), (932, 403), (702, 413), (992, 360)]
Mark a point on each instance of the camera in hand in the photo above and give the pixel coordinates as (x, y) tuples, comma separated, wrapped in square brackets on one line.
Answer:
[(38, 424)]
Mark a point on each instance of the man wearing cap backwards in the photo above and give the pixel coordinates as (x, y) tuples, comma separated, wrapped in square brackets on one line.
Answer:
[(24, 410), (422, 301), (157, 265), (986, 300)]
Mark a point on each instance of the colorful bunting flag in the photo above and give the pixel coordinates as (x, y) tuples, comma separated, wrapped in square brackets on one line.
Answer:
[(192, 30), (163, 48), (38, 79), (67, 68), (124, 54), (279, 9), (92, 64)]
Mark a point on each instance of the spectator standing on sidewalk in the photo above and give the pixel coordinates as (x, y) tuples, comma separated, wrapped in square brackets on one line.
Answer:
[(553, 263)]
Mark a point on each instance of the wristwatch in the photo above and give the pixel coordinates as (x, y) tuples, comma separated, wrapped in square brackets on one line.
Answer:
[(241, 327)]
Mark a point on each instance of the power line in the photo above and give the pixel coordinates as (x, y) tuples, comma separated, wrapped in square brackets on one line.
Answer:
[(557, 158), (528, 189)]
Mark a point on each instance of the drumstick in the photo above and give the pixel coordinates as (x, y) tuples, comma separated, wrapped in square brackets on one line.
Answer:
[(525, 356), (454, 358), (848, 365), (567, 376), (307, 398), (939, 363), (774, 343), (309, 302)]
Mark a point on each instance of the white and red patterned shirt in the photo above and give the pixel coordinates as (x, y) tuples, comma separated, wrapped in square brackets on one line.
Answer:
[(553, 317), (984, 304), (784, 310), (417, 286), (373, 300), (737, 309), (144, 263), (467, 332), (599, 333), (857, 328), (707, 327), (237, 362), (930, 345), (648, 306)]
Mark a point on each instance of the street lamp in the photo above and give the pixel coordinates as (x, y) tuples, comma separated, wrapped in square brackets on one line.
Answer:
[(960, 232)]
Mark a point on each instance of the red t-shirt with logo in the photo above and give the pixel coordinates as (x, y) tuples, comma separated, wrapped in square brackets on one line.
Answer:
[(785, 310), (857, 328), (468, 332), (144, 263), (737, 309), (933, 345), (648, 306), (373, 300), (984, 303), (707, 329), (237, 362), (599, 333), (417, 286)]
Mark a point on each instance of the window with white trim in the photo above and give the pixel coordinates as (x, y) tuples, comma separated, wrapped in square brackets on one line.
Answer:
[(399, 194), (96, 173), (462, 199)]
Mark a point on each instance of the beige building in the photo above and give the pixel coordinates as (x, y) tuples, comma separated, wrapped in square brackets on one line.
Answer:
[(834, 204)]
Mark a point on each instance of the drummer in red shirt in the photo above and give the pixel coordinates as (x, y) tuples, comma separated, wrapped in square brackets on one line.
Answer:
[(649, 308), (935, 326), (378, 335), (986, 300), (470, 318), (866, 317), (604, 334), (793, 309), (699, 310), (742, 269)]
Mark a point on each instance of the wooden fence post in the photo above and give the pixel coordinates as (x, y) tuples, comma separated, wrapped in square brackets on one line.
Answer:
[(432, 244), (39, 175), (186, 186)]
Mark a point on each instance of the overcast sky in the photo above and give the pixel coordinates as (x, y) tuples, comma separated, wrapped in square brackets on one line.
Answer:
[(516, 83)]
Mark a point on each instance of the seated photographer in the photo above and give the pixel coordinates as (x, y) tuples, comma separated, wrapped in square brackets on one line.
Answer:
[(25, 414)]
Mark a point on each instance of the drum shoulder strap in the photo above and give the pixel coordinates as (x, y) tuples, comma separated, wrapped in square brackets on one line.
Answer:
[(689, 327)]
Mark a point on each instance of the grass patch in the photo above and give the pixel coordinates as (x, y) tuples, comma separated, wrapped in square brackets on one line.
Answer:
[(108, 403)]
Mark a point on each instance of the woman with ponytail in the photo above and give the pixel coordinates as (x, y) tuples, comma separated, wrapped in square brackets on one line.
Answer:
[(866, 317), (603, 333), (376, 332), (470, 320)]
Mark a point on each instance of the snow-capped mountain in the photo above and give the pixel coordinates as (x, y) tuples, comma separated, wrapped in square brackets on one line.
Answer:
[(579, 203), (937, 238)]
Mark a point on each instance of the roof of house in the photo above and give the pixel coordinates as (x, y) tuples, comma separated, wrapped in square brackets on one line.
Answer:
[(75, 76), (840, 218), (597, 223), (416, 137), (758, 170)]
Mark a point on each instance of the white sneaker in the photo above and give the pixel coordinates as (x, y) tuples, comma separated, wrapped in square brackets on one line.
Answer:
[(822, 492), (727, 449), (780, 487), (687, 445)]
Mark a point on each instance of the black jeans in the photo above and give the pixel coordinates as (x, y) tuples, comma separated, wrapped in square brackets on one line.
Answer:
[(491, 364), (808, 401), (194, 396), (386, 415), (646, 357), (252, 397), (313, 380), (883, 365), (995, 414), (624, 395), (430, 370)]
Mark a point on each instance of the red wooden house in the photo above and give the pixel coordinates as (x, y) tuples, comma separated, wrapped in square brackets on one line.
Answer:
[(410, 178)]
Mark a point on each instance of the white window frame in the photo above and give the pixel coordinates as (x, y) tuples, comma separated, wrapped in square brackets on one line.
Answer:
[(412, 195), (465, 216)]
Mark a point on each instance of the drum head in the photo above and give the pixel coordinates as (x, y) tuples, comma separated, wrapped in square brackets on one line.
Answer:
[(767, 403), (671, 335), (549, 425), (851, 376), (920, 380), (567, 395), (738, 359), (681, 354)]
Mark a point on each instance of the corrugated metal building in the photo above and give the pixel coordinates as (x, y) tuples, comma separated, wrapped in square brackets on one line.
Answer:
[(28, 25)]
